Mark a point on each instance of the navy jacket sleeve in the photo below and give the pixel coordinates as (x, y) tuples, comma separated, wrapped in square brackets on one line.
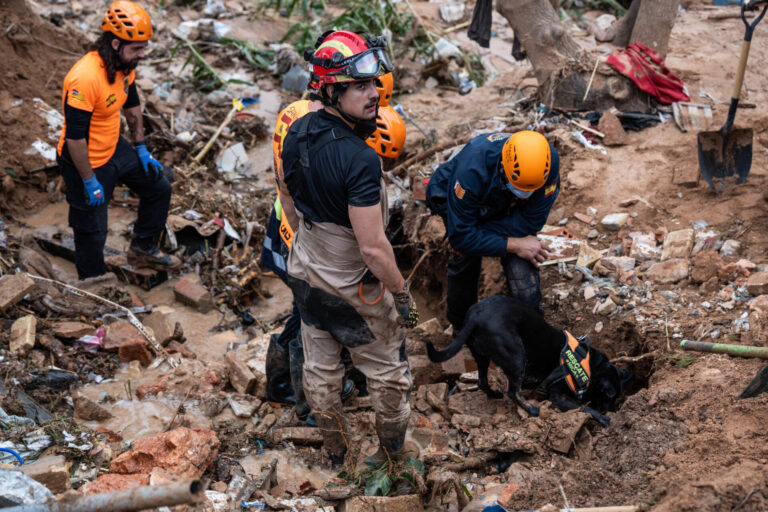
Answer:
[(531, 217), (465, 195)]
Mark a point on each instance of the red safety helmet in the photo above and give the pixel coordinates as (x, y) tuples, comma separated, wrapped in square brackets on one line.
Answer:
[(389, 137), (128, 21), (343, 56)]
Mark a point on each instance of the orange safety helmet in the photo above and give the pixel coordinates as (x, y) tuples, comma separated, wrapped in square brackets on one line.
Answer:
[(389, 137), (128, 21), (526, 160), (385, 84)]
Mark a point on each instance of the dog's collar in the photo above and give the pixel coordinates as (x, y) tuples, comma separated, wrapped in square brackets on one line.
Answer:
[(574, 366)]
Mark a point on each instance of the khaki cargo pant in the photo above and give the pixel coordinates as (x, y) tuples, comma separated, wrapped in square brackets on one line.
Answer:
[(325, 268)]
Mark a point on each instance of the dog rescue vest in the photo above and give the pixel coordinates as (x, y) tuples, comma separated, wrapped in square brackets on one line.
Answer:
[(574, 366)]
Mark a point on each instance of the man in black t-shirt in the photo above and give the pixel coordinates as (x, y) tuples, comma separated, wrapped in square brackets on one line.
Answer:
[(341, 267)]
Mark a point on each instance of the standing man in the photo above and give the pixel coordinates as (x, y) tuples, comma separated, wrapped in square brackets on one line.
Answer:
[(93, 157), (494, 196), (341, 267)]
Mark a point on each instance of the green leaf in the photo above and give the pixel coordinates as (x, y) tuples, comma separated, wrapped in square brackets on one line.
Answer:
[(407, 477), (378, 484), (415, 463), (684, 361)]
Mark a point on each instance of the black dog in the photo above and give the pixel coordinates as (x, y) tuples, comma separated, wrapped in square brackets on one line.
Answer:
[(518, 340)]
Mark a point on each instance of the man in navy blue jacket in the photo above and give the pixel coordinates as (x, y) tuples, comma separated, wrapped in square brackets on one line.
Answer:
[(494, 196)]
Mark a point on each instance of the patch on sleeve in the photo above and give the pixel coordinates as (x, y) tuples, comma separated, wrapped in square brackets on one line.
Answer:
[(459, 190), (79, 96), (498, 136), (550, 190)]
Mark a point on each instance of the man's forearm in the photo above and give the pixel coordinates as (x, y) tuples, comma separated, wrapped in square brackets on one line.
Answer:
[(135, 123), (289, 209), (78, 151), (380, 259)]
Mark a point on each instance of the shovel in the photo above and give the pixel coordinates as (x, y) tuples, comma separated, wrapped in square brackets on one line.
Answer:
[(728, 151)]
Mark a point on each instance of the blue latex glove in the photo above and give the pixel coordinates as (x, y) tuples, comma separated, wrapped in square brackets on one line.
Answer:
[(151, 166), (95, 191)]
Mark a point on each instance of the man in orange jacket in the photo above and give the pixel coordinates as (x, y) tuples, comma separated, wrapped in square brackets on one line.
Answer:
[(93, 157)]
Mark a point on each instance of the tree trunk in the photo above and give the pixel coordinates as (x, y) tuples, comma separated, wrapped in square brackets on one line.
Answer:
[(564, 70), (649, 22)]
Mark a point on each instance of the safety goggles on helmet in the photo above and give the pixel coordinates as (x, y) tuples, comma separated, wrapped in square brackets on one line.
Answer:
[(368, 64), (520, 194)]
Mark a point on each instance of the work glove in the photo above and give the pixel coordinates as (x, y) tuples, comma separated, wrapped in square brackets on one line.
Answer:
[(151, 166), (95, 191), (406, 306)]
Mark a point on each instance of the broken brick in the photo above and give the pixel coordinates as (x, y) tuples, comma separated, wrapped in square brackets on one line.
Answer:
[(174, 347), (135, 350), (13, 288), (194, 295)]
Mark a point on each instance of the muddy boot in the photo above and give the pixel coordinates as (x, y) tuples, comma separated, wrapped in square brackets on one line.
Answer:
[(391, 439), (144, 253), (333, 427), (296, 357), (279, 388)]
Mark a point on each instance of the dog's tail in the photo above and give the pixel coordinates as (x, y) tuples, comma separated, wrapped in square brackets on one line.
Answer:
[(438, 356)]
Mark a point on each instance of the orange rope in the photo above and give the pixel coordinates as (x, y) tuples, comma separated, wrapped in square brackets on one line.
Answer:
[(360, 294)]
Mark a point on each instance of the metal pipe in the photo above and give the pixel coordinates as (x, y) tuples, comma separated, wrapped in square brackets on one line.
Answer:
[(129, 500), (723, 348)]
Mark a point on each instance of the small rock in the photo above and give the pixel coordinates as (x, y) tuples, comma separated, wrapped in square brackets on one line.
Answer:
[(589, 292), (644, 248), (135, 350), (730, 248), (218, 486), (705, 266), (616, 263), (245, 381), (52, 472), (611, 127), (161, 326), (431, 327), (591, 211), (593, 233), (604, 28), (606, 307), (628, 202), (587, 255), (406, 503), (465, 420), (118, 333), (183, 452), (174, 347), (88, 410), (757, 284), (678, 244), (23, 333), (614, 221), (243, 405), (667, 272), (598, 327), (70, 330)]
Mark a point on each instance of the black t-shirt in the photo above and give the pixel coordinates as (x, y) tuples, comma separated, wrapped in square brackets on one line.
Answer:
[(344, 172)]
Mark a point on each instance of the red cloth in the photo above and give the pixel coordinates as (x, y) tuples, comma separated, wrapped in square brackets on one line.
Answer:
[(646, 68)]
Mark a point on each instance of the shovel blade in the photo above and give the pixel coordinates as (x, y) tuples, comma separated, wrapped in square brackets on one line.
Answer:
[(725, 154)]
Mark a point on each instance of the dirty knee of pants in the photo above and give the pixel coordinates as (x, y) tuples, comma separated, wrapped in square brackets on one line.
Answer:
[(523, 281)]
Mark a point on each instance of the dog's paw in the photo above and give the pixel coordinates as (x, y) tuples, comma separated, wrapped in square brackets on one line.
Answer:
[(492, 393)]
